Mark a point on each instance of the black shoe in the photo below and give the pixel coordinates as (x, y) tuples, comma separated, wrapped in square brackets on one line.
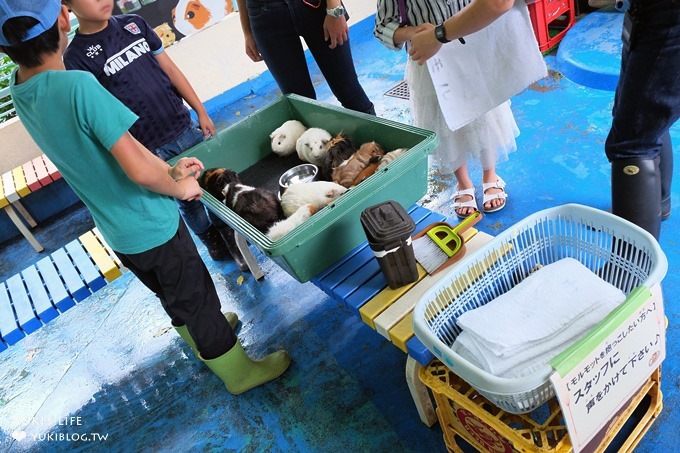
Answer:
[(215, 244)]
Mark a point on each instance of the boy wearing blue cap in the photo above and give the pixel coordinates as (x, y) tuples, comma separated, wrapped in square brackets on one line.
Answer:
[(83, 129)]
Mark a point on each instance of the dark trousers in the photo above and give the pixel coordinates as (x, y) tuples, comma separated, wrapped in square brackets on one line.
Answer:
[(175, 272), (647, 100), (277, 26)]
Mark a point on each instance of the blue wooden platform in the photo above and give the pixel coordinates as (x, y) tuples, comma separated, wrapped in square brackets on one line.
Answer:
[(44, 290), (357, 278)]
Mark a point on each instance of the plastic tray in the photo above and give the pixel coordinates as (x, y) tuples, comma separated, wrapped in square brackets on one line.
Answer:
[(618, 251), (336, 229)]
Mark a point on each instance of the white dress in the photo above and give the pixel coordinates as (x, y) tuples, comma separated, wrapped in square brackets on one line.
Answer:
[(487, 140)]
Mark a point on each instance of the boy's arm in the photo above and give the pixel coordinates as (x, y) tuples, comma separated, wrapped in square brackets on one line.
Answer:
[(147, 170), (187, 92)]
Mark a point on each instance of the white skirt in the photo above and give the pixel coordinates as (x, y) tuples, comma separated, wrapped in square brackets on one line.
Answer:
[(487, 140)]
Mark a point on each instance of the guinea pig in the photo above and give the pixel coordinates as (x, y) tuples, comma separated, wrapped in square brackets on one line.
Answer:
[(317, 193), (348, 173), (389, 157), (311, 146), (285, 226), (259, 207), (340, 148), (285, 137)]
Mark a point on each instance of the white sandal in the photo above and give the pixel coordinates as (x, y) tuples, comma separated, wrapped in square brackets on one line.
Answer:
[(499, 184), (464, 204)]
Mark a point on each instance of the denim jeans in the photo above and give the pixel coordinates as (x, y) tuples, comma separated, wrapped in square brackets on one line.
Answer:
[(647, 100), (193, 212), (277, 26)]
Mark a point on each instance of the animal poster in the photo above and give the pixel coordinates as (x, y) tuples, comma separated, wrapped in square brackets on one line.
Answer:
[(175, 19)]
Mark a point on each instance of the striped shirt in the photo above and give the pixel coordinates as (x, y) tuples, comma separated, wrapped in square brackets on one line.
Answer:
[(418, 12)]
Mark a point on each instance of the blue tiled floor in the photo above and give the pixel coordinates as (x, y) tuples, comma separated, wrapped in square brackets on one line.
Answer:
[(112, 363)]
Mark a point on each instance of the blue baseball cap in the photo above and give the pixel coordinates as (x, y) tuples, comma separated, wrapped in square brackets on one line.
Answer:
[(45, 12)]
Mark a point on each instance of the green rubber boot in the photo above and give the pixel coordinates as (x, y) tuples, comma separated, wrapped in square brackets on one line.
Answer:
[(232, 319), (240, 373)]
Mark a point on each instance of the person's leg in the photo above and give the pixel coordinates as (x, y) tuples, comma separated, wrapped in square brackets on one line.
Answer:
[(336, 64), (666, 169), (464, 196), (227, 234), (175, 272), (647, 103), (494, 190), (279, 44), (193, 212)]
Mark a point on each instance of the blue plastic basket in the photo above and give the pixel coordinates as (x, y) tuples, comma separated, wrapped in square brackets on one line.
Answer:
[(618, 251)]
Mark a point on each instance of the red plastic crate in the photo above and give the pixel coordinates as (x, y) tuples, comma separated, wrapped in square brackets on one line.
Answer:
[(547, 14)]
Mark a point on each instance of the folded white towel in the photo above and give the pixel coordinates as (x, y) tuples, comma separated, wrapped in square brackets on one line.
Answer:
[(539, 307), (518, 333), (537, 355)]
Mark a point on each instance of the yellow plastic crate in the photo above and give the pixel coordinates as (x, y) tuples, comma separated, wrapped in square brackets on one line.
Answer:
[(464, 413)]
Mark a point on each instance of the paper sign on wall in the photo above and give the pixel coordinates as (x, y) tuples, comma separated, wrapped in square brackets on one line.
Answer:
[(596, 377)]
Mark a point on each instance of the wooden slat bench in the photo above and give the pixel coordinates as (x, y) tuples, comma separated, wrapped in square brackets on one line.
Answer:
[(357, 282), (41, 292), (19, 183)]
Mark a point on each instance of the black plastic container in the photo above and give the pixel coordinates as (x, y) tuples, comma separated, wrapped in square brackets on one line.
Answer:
[(388, 228)]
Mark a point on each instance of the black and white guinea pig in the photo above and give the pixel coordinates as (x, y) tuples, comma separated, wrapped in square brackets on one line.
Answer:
[(259, 207)]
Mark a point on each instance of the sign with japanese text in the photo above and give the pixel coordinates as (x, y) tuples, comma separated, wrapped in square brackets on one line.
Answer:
[(597, 376)]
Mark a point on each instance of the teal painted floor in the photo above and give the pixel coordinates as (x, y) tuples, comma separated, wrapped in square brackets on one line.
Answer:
[(109, 375)]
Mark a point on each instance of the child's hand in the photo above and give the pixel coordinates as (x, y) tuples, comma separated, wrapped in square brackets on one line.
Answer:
[(206, 125), (424, 45), (186, 166), (189, 189)]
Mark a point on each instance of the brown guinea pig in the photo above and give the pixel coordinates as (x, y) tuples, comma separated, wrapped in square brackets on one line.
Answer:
[(349, 170)]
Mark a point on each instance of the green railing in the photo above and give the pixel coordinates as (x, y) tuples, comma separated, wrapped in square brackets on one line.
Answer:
[(6, 106)]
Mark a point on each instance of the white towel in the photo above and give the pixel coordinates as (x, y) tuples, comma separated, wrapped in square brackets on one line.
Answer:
[(519, 332), (538, 307), (536, 356), (493, 65)]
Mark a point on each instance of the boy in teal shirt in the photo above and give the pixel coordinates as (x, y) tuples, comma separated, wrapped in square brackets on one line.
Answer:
[(83, 129)]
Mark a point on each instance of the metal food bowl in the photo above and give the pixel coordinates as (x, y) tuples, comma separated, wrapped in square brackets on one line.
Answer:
[(299, 174)]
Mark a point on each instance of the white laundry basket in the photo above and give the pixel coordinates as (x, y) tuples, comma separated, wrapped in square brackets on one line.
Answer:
[(620, 252)]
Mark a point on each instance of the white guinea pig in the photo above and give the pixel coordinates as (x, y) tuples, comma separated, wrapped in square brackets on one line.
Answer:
[(285, 226), (311, 146), (317, 193), (285, 137)]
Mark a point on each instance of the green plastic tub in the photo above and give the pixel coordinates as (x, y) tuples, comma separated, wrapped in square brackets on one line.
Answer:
[(336, 229)]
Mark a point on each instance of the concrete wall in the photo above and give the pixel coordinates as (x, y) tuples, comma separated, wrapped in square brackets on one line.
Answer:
[(213, 60)]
